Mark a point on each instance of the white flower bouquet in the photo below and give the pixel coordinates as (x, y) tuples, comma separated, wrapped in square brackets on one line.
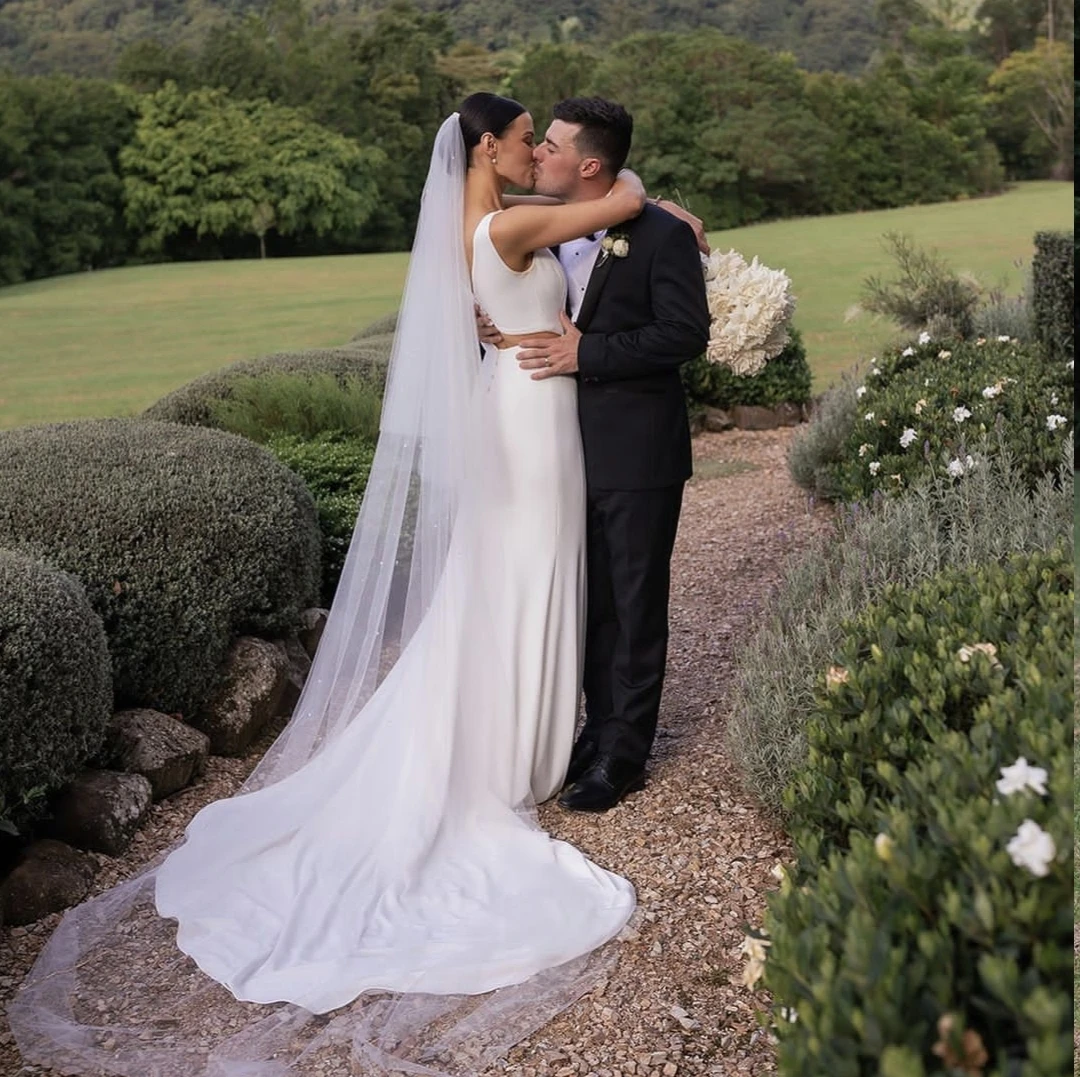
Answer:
[(750, 307)]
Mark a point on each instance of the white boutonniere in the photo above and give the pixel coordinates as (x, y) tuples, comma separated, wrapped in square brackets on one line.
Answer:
[(614, 244)]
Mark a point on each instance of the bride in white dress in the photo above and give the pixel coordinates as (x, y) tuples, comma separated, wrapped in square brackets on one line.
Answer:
[(388, 843)]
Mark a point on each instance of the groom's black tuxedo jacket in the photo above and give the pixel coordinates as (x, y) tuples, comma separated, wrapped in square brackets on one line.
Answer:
[(642, 316)]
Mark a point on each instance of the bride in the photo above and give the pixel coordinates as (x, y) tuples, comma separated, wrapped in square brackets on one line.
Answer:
[(383, 863)]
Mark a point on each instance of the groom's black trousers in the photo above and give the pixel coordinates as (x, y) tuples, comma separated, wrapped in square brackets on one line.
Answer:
[(631, 534)]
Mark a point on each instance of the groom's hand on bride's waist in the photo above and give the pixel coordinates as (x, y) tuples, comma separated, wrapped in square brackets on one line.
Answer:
[(549, 356), (486, 330)]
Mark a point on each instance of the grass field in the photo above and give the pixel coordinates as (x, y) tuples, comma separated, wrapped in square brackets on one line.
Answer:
[(112, 342)]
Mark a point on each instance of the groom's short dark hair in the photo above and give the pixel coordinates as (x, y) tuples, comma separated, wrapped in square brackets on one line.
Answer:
[(606, 128)]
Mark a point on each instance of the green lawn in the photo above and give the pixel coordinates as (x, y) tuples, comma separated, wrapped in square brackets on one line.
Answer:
[(827, 259), (110, 343)]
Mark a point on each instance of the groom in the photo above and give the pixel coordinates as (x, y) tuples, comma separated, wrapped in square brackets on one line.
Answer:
[(637, 311)]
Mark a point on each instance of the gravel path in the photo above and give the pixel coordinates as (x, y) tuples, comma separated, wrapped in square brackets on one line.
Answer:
[(697, 849)]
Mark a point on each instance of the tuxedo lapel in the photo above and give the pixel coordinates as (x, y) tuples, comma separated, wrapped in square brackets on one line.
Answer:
[(601, 269)]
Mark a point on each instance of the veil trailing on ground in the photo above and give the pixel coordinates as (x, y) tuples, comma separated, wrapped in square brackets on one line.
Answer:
[(111, 993)]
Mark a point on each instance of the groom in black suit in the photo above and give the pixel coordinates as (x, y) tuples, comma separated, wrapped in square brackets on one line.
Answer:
[(637, 311)]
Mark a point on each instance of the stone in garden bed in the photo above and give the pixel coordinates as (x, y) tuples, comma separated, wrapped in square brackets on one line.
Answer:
[(49, 876), (101, 810), (254, 681), (165, 751)]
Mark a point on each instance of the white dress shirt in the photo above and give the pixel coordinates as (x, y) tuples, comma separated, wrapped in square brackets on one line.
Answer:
[(577, 258)]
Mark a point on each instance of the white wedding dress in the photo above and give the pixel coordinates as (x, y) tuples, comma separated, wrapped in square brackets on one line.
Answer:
[(379, 898), (397, 858)]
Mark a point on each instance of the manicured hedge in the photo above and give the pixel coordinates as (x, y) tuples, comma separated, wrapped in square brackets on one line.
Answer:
[(55, 682), (335, 469), (182, 537), (911, 920), (785, 379), (1054, 299), (192, 404)]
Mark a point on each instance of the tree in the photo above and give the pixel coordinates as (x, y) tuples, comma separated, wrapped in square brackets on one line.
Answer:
[(61, 206), (1032, 95), (206, 164), (723, 123)]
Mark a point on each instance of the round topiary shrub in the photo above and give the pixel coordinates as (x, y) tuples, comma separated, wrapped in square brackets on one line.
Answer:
[(183, 537), (784, 380), (192, 404), (55, 682), (381, 327), (930, 915)]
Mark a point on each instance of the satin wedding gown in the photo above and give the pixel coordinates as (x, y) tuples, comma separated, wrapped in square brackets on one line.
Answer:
[(407, 866)]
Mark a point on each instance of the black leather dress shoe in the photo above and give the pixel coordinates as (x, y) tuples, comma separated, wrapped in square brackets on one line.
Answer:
[(581, 758), (603, 785)]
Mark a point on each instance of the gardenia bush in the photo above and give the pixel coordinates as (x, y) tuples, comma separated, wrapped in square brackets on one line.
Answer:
[(927, 925), (55, 683), (938, 408), (936, 525)]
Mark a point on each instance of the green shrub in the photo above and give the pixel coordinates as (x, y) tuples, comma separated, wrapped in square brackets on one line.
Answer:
[(785, 379), (302, 405), (901, 540), (335, 469), (1053, 305), (819, 446), (182, 537), (192, 404), (55, 683), (926, 295), (910, 421), (873, 942), (383, 327)]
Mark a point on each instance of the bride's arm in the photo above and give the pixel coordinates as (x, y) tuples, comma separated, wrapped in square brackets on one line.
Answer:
[(529, 200), (522, 229)]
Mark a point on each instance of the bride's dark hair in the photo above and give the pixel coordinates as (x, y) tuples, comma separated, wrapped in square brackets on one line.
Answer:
[(481, 113)]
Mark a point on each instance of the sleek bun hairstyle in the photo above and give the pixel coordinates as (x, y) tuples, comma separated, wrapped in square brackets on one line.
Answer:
[(486, 113)]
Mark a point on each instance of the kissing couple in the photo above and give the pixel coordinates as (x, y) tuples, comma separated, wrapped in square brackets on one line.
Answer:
[(380, 893)]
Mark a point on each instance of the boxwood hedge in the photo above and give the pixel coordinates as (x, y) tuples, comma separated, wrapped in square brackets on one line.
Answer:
[(182, 537), (55, 682)]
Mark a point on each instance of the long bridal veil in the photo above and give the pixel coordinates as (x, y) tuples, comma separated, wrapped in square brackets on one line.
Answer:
[(110, 992)]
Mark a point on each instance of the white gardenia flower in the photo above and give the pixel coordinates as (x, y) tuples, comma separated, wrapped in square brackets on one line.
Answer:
[(1004, 339), (944, 354), (960, 414), (991, 391), (908, 351), (924, 338), (864, 448), (869, 416), (1053, 398), (919, 405), (1032, 848), (861, 391), (907, 437), (969, 462), (875, 466), (1020, 776), (1054, 421), (955, 468)]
